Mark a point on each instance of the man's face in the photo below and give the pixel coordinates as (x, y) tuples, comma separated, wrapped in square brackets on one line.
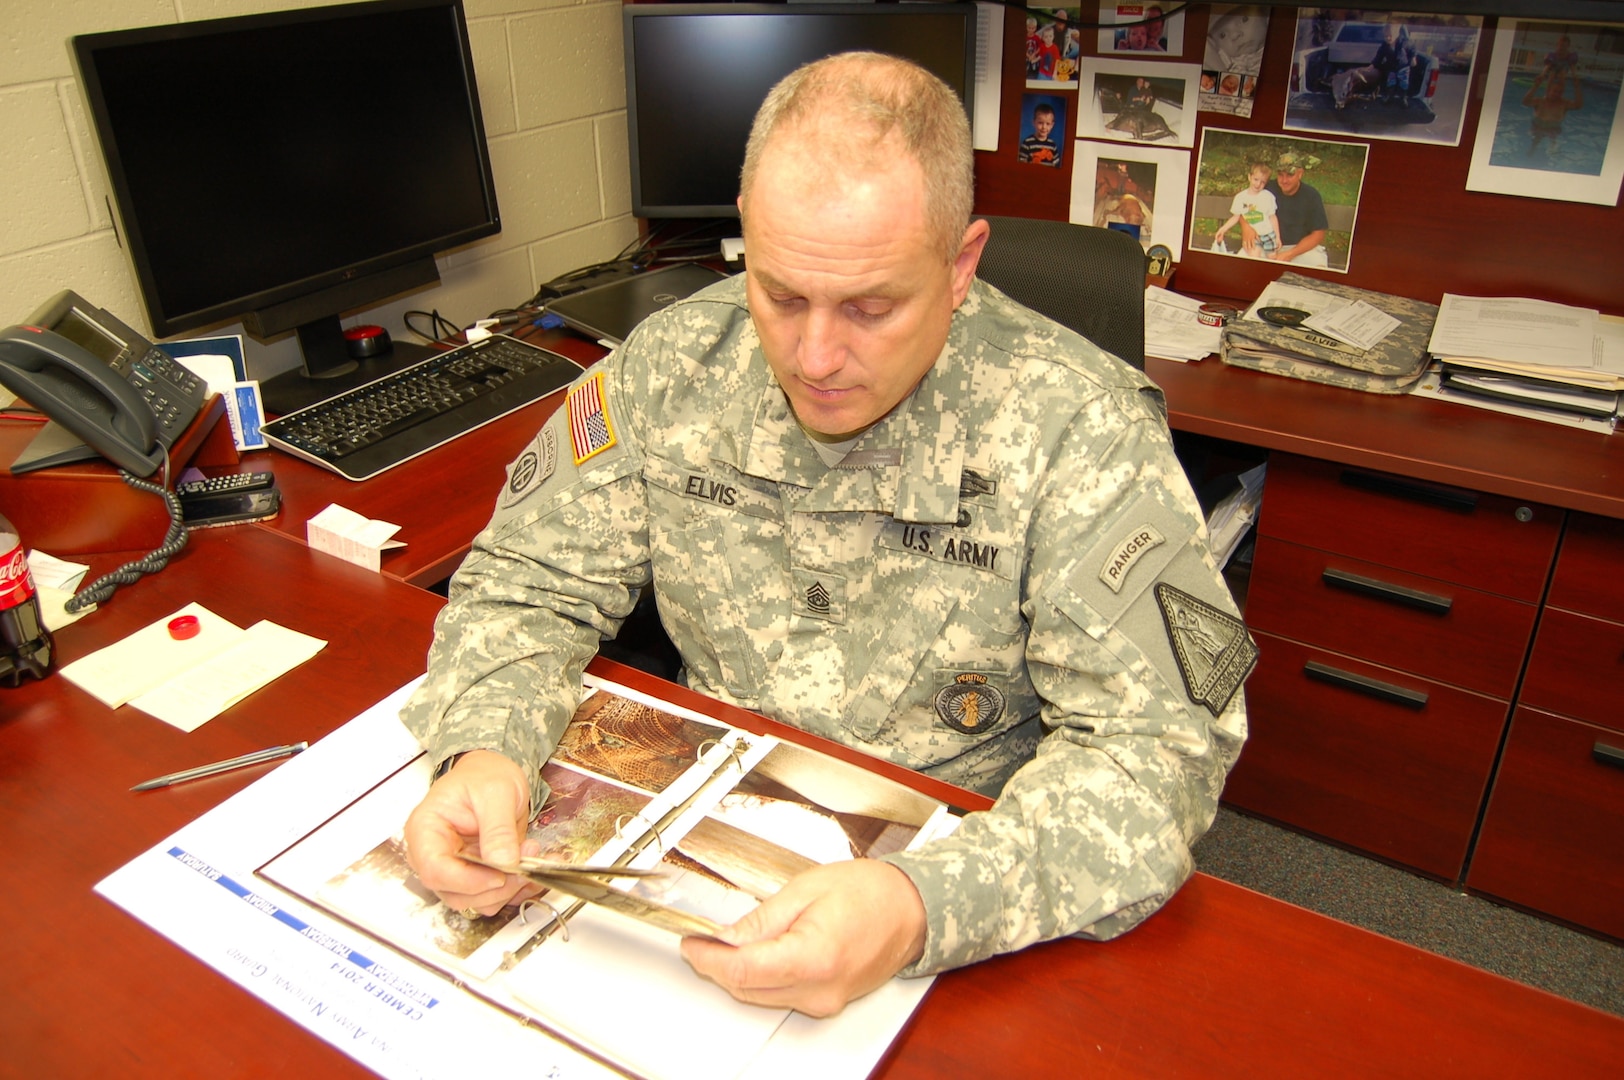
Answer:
[(1290, 180), (850, 293), (1043, 123)]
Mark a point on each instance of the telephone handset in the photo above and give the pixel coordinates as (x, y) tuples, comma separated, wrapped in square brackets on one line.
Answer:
[(127, 399), (82, 394)]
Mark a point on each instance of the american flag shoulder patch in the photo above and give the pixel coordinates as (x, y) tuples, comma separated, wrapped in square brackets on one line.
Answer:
[(590, 430)]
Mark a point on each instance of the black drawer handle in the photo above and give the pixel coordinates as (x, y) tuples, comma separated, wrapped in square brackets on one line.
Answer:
[(1386, 590), (1608, 755), (1362, 684), (1448, 498)]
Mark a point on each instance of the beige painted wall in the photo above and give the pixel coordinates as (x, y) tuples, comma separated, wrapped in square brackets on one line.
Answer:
[(553, 94)]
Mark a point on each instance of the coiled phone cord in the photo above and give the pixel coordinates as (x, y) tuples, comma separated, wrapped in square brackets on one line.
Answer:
[(174, 540)]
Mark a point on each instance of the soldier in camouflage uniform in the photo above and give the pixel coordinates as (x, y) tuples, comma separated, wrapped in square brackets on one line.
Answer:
[(880, 501)]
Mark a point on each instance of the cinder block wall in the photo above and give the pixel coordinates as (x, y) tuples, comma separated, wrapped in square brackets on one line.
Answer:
[(553, 94)]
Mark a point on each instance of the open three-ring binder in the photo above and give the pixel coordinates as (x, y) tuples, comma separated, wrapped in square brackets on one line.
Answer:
[(659, 822)]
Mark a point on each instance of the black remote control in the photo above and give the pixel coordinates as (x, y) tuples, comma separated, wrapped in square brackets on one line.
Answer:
[(235, 484)]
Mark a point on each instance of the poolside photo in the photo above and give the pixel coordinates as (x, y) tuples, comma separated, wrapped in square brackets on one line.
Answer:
[(1551, 127)]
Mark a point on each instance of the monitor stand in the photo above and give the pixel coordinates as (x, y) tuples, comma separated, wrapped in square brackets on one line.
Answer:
[(329, 369)]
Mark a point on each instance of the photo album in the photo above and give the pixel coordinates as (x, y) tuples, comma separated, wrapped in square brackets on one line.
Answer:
[(659, 822)]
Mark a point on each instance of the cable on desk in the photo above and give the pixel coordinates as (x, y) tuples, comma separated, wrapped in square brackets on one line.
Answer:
[(175, 539)]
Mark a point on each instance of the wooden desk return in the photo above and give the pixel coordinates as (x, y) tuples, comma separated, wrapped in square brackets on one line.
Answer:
[(441, 499), (1223, 982)]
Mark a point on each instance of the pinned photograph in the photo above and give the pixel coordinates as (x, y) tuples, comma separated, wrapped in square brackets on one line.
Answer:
[(1139, 190), (1132, 101), (1233, 58), (1551, 127), (1382, 74), (1043, 126), (1054, 47), (1142, 28), (1278, 198)]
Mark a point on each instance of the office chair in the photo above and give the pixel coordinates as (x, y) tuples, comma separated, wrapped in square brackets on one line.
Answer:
[(1086, 278)]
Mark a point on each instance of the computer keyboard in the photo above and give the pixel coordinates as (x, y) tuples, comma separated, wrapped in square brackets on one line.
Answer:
[(362, 432)]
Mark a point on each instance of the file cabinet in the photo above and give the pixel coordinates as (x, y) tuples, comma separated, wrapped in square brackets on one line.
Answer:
[(1553, 834), (1393, 618)]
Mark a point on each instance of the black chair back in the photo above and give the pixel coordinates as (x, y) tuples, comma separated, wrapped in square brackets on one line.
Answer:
[(1086, 278)]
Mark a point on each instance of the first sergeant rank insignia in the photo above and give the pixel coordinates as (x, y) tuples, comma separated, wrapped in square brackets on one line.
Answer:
[(1215, 654), (969, 704)]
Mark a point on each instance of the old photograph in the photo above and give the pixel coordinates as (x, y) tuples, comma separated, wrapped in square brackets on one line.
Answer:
[(1382, 74), (1277, 197)]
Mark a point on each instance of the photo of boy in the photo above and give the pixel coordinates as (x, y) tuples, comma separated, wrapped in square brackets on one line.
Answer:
[(1040, 115), (1258, 208)]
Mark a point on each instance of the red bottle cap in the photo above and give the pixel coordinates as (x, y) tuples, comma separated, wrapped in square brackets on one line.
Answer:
[(182, 627)]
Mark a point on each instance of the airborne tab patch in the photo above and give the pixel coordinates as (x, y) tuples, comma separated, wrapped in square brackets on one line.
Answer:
[(1214, 652), (590, 430)]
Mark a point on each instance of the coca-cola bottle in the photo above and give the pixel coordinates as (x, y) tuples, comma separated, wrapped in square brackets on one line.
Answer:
[(25, 644)]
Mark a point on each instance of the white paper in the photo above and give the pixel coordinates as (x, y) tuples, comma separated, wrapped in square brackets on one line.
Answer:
[(1172, 330), (1359, 324), (55, 572), (150, 657), (1313, 301), (54, 583), (217, 372), (989, 75), (262, 653), (360, 540), (1516, 329)]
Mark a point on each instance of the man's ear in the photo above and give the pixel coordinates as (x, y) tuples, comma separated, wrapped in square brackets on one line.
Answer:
[(969, 256)]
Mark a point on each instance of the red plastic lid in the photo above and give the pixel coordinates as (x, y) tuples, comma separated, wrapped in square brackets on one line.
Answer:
[(182, 627)]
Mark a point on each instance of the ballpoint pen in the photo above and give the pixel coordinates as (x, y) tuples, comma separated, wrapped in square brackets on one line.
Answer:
[(258, 756)]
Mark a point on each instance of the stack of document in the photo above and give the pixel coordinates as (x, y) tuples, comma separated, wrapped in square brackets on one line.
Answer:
[(1531, 357), (1172, 329), (1234, 515)]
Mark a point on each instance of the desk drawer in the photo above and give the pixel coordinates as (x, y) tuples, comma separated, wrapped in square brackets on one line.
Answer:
[(1551, 839), (1431, 628), (1402, 779), (1589, 575), (1577, 669), (1441, 532)]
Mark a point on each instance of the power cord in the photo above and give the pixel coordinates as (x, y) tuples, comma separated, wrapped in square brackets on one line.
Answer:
[(175, 539)]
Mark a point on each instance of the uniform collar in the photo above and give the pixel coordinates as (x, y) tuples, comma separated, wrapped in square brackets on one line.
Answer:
[(907, 466)]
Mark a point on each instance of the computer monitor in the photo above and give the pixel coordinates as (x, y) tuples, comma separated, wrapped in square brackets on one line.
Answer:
[(696, 73), (287, 168)]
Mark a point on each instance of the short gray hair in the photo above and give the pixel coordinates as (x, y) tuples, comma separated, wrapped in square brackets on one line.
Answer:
[(863, 106)]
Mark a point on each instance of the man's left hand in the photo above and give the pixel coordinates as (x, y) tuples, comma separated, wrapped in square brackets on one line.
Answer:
[(831, 935)]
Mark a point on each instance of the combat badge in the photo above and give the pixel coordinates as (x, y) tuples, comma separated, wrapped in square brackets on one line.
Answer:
[(968, 704), (1215, 654)]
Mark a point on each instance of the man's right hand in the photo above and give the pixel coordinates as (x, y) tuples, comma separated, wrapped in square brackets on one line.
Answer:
[(482, 804)]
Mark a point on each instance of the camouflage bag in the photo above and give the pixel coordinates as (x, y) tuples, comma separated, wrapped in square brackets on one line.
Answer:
[(1393, 366)]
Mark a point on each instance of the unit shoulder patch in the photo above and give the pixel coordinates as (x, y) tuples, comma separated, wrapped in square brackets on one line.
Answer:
[(1215, 654), (531, 469)]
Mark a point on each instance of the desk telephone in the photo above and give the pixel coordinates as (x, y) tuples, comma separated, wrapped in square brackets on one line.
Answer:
[(125, 398)]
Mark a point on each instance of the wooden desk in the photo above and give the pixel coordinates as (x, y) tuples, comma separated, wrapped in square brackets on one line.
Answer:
[(93, 991), (1222, 982), (1410, 436), (441, 500)]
